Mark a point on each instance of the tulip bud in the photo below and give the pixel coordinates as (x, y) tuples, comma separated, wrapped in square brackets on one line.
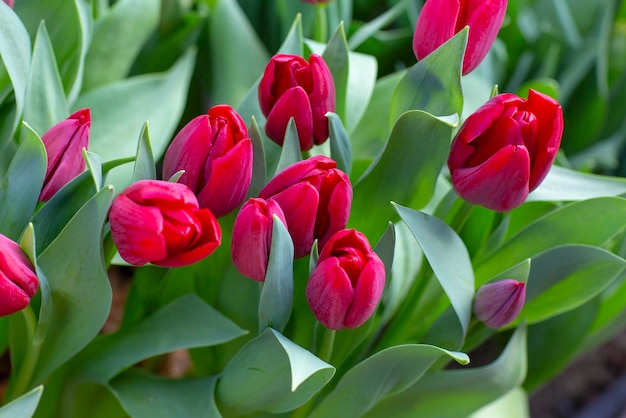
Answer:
[(497, 304), (440, 20), (252, 237), (64, 144), (347, 282), (160, 222), (315, 197), (291, 87), (505, 149), (216, 154), (18, 280)]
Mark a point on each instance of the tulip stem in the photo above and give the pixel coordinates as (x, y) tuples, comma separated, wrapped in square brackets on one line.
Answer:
[(27, 367), (326, 346), (320, 32)]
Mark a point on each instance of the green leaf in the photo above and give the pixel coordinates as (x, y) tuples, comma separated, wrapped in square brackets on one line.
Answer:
[(457, 393), (434, 83), (384, 374), (271, 373), (94, 167), (117, 38), (336, 57), (46, 104), (448, 258), (361, 82), (259, 165), (385, 248), (340, 149), (513, 404), (370, 28), (277, 295), (145, 168), (145, 395), (81, 292), (291, 148), (24, 406), (20, 188), (185, 323)]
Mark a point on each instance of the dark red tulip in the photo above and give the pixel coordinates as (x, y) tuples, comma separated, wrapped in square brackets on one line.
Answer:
[(497, 304)]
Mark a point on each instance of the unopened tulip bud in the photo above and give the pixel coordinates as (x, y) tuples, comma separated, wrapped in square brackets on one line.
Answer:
[(64, 144), (347, 282), (18, 281), (497, 304), (252, 237)]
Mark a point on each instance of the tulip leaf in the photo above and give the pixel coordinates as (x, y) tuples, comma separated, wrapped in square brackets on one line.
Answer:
[(118, 36), (270, 373), (386, 373), (565, 184), (336, 57), (385, 248), (46, 104), (185, 323), (340, 149), (434, 83), (146, 395), (566, 277), (406, 172), (22, 183), (94, 167), (448, 258), (145, 168), (24, 406), (81, 293), (15, 54), (370, 28), (458, 393), (259, 165), (276, 300), (291, 148), (513, 404)]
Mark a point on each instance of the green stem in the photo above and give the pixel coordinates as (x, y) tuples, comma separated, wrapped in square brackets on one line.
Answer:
[(321, 23), (326, 347), (25, 371)]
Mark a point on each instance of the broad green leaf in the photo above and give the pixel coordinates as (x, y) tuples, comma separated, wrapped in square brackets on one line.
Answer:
[(277, 295), (81, 293), (46, 104), (120, 109), (185, 323), (434, 83), (145, 168), (564, 184), (15, 53), (559, 227), (117, 38), (24, 406), (20, 188), (340, 149), (93, 164), (259, 165), (145, 395), (232, 37), (458, 393), (384, 374), (385, 248), (361, 83), (448, 258), (406, 172), (513, 404), (336, 56), (270, 373), (290, 152)]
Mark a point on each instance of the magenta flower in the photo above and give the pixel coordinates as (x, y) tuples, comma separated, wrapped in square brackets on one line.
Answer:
[(18, 280), (497, 304)]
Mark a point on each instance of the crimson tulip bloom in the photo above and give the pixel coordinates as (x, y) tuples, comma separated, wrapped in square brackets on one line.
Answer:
[(18, 280), (160, 222), (216, 154), (347, 282), (291, 87), (252, 237), (315, 197), (64, 144), (497, 304), (440, 20), (505, 149)]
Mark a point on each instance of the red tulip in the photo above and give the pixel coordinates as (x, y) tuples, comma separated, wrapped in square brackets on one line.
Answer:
[(315, 197), (18, 280), (216, 154), (440, 20), (160, 222), (497, 304), (347, 282), (291, 87), (64, 144), (505, 149), (252, 237)]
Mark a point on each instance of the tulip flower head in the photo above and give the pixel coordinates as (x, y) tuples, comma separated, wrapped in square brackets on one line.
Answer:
[(347, 282), (18, 280), (291, 87), (216, 154), (315, 197), (440, 20), (160, 222), (252, 237), (497, 304), (64, 144), (505, 149)]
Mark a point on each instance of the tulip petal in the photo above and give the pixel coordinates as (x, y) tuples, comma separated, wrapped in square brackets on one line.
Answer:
[(329, 293), (294, 103), (484, 18), (333, 216), (322, 97), (367, 292), (17, 267), (12, 297), (435, 25), (161, 193)]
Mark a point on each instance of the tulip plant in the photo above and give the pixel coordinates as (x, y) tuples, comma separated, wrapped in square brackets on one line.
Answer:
[(319, 208)]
